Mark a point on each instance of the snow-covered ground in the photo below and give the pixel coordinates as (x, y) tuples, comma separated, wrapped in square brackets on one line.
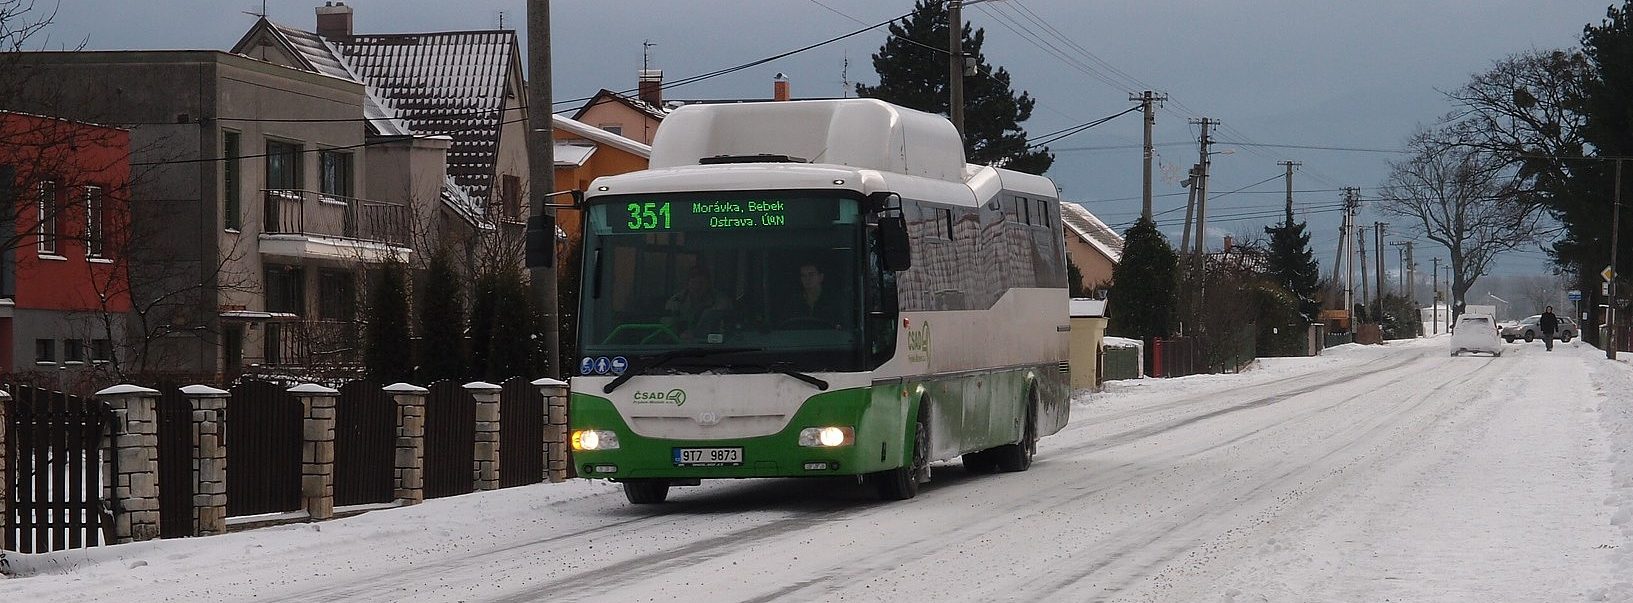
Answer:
[(1381, 473)]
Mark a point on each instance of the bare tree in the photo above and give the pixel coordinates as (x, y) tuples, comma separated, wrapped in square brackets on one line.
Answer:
[(1463, 198)]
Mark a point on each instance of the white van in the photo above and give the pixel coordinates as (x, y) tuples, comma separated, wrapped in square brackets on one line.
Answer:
[(1476, 333)]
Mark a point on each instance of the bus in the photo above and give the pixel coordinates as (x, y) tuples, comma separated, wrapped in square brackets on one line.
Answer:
[(816, 288)]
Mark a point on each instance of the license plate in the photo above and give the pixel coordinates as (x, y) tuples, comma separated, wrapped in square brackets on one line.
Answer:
[(708, 456)]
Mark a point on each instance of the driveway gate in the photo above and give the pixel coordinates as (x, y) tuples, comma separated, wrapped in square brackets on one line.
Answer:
[(54, 464)]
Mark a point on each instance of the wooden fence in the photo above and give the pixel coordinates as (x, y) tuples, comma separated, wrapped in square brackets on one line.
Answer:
[(53, 465)]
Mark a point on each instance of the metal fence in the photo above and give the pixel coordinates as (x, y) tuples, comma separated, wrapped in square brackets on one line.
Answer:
[(264, 436), (365, 444), (450, 440)]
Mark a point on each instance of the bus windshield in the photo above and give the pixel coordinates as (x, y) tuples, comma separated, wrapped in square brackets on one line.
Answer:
[(774, 276)]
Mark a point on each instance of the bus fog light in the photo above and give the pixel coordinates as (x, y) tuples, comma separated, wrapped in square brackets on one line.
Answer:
[(594, 439), (827, 437)]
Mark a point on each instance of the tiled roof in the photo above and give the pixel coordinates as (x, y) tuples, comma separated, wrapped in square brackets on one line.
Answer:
[(637, 104), (451, 83), (320, 57), (1091, 230)]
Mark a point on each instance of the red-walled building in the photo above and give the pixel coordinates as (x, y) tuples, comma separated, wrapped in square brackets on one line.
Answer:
[(64, 293)]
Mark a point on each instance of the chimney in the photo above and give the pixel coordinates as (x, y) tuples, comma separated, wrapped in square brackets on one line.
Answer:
[(1229, 242), (650, 87), (779, 88), (335, 21)]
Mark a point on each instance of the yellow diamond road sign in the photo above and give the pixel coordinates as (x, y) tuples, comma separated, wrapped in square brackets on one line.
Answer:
[(1607, 273)]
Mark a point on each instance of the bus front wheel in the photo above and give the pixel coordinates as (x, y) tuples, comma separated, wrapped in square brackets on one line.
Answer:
[(902, 483), (646, 491)]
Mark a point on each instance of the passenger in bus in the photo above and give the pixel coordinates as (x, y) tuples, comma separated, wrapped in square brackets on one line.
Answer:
[(817, 306), (698, 308)]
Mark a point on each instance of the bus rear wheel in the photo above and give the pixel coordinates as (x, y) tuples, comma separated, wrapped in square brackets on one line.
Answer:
[(646, 491), (1012, 458), (902, 483)]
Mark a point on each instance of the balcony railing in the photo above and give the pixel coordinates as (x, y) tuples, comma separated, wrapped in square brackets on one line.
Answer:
[(313, 213), (312, 343)]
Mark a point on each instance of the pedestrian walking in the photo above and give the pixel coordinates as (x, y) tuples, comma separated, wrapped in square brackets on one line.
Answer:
[(1549, 324)]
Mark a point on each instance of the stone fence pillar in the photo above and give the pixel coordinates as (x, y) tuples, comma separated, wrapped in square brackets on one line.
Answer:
[(5, 480), (130, 472), (209, 458), (317, 449), (410, 459), (557, 467), (485, 471)]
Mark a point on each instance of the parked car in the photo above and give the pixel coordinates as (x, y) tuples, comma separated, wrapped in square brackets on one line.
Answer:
[(1528, 329), (1476, 333)]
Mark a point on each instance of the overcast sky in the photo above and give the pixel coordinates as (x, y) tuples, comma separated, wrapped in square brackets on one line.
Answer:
[(1361, 75)]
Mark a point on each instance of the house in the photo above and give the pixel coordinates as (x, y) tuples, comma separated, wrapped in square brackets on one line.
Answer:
[(253, 213), (1090, 244), (633, 118), (63, 291), (464, 85)]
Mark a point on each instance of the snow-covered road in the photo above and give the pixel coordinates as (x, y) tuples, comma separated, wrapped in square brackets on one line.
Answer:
[(1379, 473)]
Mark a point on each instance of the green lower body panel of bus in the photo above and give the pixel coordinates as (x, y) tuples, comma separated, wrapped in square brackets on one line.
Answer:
[(876, 416)]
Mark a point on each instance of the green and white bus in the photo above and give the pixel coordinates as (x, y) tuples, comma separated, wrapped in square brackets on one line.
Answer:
[(937, 327)]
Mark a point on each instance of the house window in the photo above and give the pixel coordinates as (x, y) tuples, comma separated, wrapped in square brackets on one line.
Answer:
[(511, 195), (337, 173), (101, 350), (73, 350), (613, 129), (337, 295), (95, 210), (47, 229), (284, 290), (45, 350), (283, 165), (230, 176)]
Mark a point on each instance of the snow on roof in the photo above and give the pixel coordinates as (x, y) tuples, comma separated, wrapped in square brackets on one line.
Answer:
[(459, 200), (1091, 230), (600, 136), (1087, 308), (321, 57), (573, 154)]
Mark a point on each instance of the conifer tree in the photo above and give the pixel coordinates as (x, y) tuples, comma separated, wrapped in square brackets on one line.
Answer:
[(1142, 289), (442, 322), (1292, 264), (386, 343)]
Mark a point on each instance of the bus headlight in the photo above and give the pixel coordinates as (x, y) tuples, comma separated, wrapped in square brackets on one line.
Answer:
[(827, 437), (594, 439)]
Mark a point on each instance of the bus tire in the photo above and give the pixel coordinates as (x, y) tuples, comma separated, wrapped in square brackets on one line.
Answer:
[(902, 483), (646, 491), (1017, 457)]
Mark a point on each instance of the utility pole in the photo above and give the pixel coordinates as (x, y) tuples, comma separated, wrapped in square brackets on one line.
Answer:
[(1148, 101), (541, 162), (1190, 208), (1200, 278), (1203, 144), (1434, 277), (1400, 270), (1289, 178), (1361, 251), (1352, 202), (1615, 231), (1378, 250), (955, 66)]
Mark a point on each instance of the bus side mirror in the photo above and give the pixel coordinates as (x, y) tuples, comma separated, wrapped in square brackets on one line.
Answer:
[(893, 243)]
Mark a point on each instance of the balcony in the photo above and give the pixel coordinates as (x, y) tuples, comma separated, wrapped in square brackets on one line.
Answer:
[(309, 224), (312, 343)]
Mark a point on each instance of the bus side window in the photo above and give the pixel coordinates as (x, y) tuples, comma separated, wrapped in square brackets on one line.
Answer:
[(1043, 213)]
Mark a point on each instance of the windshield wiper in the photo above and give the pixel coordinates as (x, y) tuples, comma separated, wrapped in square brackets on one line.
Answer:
[(806, 377), (661, 359)]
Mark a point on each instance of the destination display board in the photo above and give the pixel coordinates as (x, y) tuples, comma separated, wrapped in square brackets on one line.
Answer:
[(669, 215)]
